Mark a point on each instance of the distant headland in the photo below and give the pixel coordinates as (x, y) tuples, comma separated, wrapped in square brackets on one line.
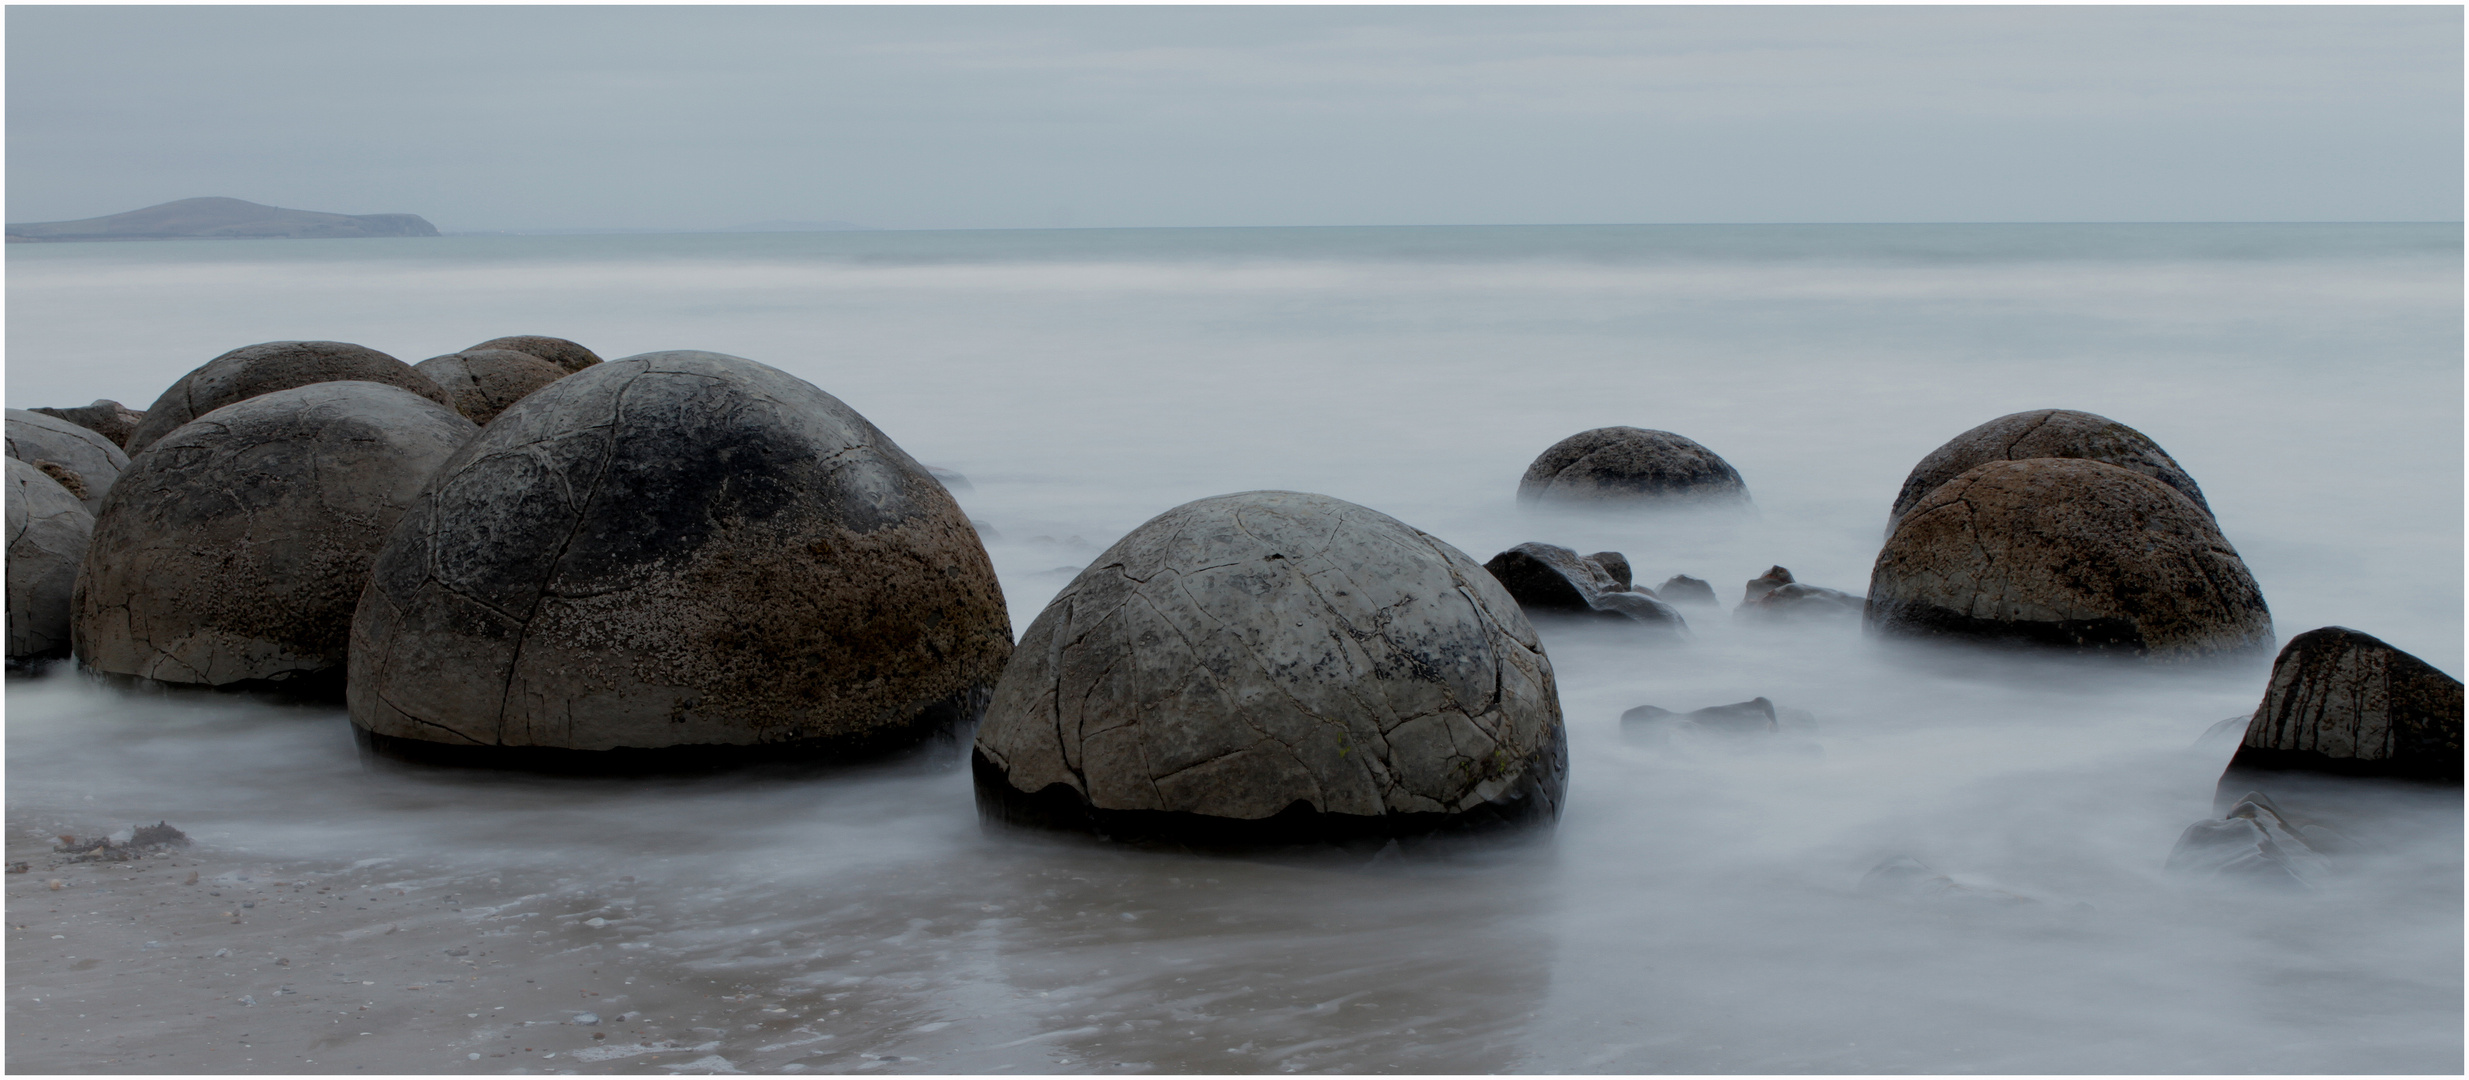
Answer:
[(221, 219)]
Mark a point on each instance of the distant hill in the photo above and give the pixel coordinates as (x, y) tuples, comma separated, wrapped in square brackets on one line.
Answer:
[(221, 219)]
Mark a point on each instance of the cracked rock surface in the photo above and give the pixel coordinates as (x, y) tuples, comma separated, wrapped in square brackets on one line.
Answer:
[(234, 548), (48, 533), (483, 382), (677, 549), (1238, 656), (2071, 553), (1627, 465), (556, 350), (35, 437), (265, 368), (2345, 702), (2043, 433), (109, 418)]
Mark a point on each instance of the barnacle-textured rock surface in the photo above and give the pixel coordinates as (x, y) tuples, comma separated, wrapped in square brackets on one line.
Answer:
[(48, 532), (556, 350), (1550, 578), (1287, 661), (2043, 433), (679, 549), (1626, 465), (275, 365), (234, 548), (2347, 703), (105, 417), (35, 437), (2067, 552), (483, 382)]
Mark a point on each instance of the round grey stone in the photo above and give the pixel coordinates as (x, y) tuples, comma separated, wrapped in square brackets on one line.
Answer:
[(679, 549), (35, 437), (275, 365), (1617, 466), (1277, 660), (235, 548), (559, 351), (2067, 552), (2043, 433), (483, 382), (48, 533)]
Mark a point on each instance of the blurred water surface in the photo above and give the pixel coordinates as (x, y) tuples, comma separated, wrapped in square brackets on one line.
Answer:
[(1698, 909)]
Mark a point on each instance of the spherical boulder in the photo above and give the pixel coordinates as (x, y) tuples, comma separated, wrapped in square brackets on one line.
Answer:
[(676, 556), (2067, 552), (235, 548), (1617, 466), (558, 351), (275, 365), (1274, 666), (483, 382), (35, 438), (105, 417), (48, 533), (2043, 433)]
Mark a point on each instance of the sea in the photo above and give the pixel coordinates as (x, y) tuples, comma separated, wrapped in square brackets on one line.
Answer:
[(1700, 908)]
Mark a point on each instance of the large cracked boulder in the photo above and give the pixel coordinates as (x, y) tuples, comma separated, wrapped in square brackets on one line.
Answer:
[(1274, 666), (483, 382), (1550, 579), (2071, 553), (275, 365), (48, 533), (2346, 703), (95, 462), (234, 549), (1627, 466), (676, 555), (556, 350), (2043, 433), (105, 417)]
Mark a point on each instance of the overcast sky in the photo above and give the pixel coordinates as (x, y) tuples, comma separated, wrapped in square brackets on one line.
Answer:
[(939, 117)]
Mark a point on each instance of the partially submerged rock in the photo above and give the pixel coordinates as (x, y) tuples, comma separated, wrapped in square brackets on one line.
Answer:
[(1905, 878), (1550, 578), (235, 548), (483, 382), (1275, 666), (105, 417), (1683, 589), (2043, 433), (251, 370), (2346, 703), (1616, 566), (1774, 578), (565, 354), (2068, 553), (95, 462), (1755, 716), (1800, 601), (2253, 842), (1627, 466), (678, 554), (48, 533)]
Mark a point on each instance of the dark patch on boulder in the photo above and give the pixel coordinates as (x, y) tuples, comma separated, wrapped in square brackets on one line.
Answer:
[(105, 417), (2068, 553), (234, 550), (251, 370), (565, 354), (483, 382), (92, 463), (679, 549), (48, 534), (2346, 703), (2043, 433), (1616, 466), (1237, 656)]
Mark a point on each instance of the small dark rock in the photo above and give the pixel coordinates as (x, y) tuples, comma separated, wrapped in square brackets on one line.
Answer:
[(1800, 601), (1616, 565), (1775, 577), (1751, 717), (1683, 589), (1551, 578), (160, 834), (2253, 842)]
